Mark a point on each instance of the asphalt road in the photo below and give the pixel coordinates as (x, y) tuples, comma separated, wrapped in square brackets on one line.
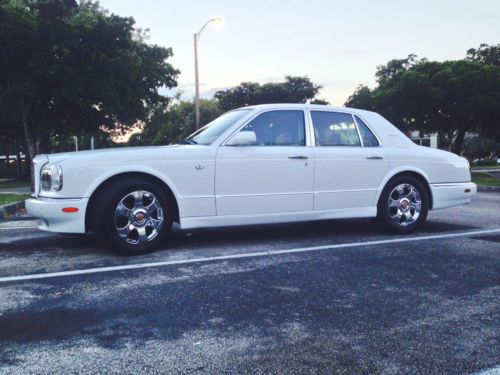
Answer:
[(334, 297)]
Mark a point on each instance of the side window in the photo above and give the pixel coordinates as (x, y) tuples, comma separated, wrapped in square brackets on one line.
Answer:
[(334, 129), (369, 139), (278, 128)]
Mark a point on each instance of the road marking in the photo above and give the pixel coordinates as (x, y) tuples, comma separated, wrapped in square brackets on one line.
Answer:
[(490, 371), (240, 256)]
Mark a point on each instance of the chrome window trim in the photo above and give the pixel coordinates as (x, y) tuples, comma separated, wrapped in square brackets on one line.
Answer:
[(306, 134), (357, 130), (354, 115)]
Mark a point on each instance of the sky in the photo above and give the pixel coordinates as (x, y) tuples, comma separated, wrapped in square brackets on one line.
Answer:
[(337, 44)]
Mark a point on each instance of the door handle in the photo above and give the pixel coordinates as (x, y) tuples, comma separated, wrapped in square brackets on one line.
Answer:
[(375, 157), (297, 157)]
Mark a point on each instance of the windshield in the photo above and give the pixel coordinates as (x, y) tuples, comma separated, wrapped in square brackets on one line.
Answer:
[(210, 132)]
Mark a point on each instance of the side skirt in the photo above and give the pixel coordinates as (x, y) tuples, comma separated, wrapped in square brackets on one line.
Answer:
[(254, 219)]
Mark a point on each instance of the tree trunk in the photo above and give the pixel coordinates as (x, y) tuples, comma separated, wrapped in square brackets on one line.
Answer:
[(18, 160), (458, 142), (30, 139)]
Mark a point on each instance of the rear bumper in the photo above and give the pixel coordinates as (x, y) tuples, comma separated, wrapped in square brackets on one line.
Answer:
[(452, 194), (54, 219)]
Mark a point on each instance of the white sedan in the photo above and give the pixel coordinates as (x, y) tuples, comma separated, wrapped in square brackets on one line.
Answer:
[(254, 165)]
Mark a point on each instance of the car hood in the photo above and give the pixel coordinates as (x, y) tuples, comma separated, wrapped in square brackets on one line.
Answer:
[(109, 153)]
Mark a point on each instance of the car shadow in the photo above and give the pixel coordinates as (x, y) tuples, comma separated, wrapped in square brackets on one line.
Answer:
[(311, 232)]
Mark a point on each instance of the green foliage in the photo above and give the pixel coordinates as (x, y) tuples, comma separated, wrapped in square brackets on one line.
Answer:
[(485, 54), (173, 122), (68, 68), (293, 90), (12, 198), (481, 147), (450, 98), (485, 179)]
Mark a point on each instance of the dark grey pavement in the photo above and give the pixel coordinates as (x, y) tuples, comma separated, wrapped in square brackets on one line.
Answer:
[(427, 306)]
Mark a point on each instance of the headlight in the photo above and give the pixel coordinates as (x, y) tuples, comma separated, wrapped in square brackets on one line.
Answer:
[(51, 177)]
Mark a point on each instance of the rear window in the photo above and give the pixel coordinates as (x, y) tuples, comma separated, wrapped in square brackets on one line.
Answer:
[(334, 129)]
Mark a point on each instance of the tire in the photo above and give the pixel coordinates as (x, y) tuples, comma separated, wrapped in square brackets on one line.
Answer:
[(403, 205), (133, 215)]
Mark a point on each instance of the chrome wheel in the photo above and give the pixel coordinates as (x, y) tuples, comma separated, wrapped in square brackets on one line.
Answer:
[(138, 217), (405, 205)]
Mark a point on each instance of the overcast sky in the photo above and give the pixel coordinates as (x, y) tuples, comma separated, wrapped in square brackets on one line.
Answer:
[(338, 44)]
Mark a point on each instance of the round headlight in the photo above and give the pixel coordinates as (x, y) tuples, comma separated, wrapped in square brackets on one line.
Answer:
[(51, 177)]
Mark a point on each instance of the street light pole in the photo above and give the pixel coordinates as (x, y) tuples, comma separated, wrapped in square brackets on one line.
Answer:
[(196, 74), (197, 82)]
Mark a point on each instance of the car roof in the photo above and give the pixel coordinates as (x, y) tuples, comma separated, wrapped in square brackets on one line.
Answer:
[(306, 106)]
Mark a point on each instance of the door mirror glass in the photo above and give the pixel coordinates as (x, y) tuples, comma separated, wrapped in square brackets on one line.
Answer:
[(243, 138)]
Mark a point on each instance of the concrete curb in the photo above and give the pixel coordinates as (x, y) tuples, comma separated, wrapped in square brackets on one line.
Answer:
[(11, 208), (18, 191), (490, 189)]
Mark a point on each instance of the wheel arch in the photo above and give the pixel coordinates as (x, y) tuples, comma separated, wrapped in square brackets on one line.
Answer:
[(419, 175), (112, 179)]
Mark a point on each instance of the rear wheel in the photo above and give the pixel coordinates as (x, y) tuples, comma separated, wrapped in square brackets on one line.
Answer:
[(403, 205), (133, 215)]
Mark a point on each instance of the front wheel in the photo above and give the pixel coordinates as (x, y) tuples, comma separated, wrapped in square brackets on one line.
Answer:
[(132, 215), (403, 205)]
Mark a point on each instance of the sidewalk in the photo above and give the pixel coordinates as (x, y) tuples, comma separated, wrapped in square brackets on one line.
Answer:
[(19, 190), (486, 170)]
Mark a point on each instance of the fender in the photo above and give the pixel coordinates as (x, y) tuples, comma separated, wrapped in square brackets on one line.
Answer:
[(132, 169), (398, 170)]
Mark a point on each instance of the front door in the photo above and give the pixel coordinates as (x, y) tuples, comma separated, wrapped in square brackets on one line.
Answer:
[(273, 175)]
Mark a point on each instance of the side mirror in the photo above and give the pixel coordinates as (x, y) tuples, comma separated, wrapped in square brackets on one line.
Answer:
[(243, 138)]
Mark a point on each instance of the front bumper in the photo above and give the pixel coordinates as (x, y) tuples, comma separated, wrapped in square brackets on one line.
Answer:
[(452, 194), (54, 219)]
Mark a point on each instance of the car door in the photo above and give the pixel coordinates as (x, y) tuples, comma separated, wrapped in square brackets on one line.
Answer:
[(350, 162), (274, 174)]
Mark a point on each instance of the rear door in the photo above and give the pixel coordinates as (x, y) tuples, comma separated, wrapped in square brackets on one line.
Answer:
[(350, 161)]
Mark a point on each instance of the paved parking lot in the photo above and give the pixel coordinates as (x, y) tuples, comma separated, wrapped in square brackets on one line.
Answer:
[(325, 297)]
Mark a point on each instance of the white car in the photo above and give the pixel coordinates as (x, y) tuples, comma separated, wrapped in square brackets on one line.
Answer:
[(254, 165)]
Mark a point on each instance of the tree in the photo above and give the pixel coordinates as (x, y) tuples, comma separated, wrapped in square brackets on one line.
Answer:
[(485, 54), (173, 122), (450, 98), (68, 68), (361, 98), (293, 90)]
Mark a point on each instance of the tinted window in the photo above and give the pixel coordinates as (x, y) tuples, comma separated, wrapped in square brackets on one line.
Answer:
[(278, 128), (334, 129), (369, 139)]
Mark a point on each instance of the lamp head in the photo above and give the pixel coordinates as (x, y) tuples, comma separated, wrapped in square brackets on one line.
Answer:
[(217, 20)]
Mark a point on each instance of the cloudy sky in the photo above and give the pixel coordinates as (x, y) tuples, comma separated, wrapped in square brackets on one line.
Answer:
[(338, 44)]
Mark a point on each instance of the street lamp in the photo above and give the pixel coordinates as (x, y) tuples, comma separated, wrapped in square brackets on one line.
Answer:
[(197, 36)]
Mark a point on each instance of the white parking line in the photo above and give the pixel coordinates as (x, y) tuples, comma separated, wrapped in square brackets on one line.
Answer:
[(240, 256), (490, 371)]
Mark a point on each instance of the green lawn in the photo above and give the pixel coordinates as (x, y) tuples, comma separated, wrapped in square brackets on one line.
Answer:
[(14, 184), (11, 198), (485, 180)]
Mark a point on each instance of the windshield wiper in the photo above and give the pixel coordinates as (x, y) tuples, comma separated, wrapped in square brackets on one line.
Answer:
[(188, 142)]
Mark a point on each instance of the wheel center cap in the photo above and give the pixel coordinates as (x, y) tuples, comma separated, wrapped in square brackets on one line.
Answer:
[(404, 205), (140, 218)]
